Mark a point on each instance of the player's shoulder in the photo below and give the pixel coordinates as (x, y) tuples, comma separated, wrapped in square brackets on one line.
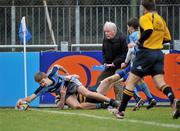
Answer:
[(146, 16)]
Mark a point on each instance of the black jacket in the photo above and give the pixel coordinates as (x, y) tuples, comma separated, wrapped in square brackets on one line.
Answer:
[(115, 50)]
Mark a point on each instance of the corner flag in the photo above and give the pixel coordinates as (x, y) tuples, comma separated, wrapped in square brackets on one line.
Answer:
[(24, 32), (24, 36)]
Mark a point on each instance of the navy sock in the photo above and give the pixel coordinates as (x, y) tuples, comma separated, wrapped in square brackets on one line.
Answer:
[(169, 93)]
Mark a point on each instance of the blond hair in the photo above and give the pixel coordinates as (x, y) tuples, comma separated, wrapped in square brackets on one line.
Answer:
[(39, 76)]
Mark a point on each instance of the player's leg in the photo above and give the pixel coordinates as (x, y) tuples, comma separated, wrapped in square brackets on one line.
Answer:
[(95, 95), (73, 103), (166, 89), (138, 70), (87, 105), (118, 88), (136, 95), (139, 101), (107, 83), (158, 77), (143, 86), (127, 94), (106, 73)]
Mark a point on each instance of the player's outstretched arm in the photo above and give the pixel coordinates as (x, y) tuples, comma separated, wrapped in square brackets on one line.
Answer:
[(26, 99)]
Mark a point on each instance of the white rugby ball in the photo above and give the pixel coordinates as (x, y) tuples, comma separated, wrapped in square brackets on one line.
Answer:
[(22, 105)]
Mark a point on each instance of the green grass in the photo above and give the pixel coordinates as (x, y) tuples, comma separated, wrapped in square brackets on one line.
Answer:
[(52, 119)]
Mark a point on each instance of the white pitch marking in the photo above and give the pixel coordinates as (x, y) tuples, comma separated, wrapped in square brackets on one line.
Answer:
[(108, 118)]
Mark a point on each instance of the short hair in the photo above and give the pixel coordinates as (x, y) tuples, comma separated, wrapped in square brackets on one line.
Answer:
[(39, 76), (111, 25), (134, 22), (149, 4)]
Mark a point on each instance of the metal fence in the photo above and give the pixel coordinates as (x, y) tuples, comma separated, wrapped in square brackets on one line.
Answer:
[(80, 2), (76, 24), (67, 2)]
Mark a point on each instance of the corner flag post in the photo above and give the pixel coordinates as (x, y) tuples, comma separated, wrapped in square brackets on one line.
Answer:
[(23, 22)]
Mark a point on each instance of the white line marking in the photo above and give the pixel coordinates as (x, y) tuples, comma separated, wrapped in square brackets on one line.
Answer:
[(109, 118)]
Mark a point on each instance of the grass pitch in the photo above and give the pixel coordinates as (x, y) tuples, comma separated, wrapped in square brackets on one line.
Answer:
[(52, 119)]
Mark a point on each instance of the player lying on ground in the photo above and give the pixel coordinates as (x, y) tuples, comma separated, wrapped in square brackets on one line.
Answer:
[(67, 86)]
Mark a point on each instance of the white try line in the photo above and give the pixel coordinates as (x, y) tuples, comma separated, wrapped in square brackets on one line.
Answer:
[(109, 118)]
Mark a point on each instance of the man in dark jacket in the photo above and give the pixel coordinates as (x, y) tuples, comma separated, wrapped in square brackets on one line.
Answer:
[(114, 52)]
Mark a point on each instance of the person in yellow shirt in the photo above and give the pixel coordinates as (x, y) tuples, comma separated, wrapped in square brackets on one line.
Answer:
[(149, 59)]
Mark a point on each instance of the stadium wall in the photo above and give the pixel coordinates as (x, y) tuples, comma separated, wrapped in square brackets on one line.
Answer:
[(81, 63), (12, 77)]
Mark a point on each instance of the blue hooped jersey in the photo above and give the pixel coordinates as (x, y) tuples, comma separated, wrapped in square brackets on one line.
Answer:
[(58, 82)]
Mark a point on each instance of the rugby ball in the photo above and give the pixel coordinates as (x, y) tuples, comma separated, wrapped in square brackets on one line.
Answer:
[(24, 106)]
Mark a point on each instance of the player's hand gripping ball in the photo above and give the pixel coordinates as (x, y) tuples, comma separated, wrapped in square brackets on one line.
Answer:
[(22, 105)]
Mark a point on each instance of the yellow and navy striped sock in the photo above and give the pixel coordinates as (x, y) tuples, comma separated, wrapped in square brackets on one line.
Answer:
[(127, 94)]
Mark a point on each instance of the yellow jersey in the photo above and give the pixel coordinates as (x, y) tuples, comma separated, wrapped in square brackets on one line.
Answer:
[(154, 21)]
